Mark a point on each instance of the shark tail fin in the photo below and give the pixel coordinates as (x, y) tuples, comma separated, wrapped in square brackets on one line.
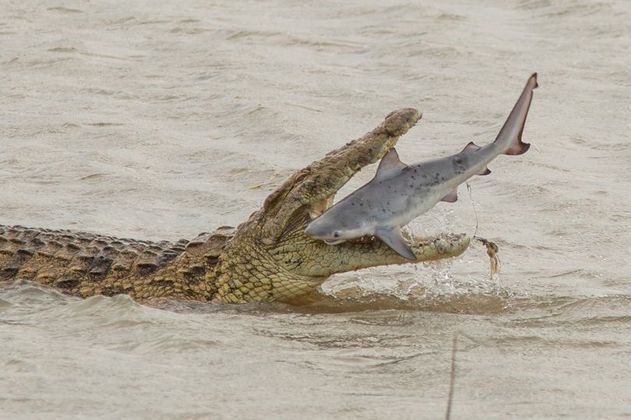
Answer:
[(519, 148), (511, 132)]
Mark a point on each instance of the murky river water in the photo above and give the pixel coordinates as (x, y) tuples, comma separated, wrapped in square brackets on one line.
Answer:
[(155, 120)]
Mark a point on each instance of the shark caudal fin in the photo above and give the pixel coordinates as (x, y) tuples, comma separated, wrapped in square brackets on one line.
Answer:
[(510, 134)]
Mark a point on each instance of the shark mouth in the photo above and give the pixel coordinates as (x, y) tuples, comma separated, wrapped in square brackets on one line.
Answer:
[(319, 207), (405, 237)]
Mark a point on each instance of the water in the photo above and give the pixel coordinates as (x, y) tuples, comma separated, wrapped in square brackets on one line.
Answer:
[(151, 120)]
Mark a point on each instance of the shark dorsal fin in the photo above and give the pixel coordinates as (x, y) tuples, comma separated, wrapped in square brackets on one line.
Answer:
[(471, 146), (390, 165)]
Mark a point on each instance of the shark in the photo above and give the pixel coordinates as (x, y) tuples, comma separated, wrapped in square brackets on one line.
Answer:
[(399, 193)]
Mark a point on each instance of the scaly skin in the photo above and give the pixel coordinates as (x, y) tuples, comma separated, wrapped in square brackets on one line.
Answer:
[(267, 258)]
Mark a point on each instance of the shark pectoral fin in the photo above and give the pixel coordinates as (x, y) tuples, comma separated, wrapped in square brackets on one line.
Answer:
[(390, 165), (451, 197), (391, 236)]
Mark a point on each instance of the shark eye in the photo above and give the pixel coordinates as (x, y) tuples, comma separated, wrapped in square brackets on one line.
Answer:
[(336, 234)]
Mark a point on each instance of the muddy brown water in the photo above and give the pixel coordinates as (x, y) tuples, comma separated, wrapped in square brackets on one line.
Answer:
[(155, 120)]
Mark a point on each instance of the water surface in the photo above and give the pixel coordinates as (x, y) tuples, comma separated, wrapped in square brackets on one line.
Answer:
[(151, 120)]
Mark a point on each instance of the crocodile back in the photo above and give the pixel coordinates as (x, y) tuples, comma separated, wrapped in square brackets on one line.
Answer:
[(66, 259)]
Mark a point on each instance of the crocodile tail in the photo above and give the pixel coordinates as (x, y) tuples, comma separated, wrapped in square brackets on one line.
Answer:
[(73, 261)]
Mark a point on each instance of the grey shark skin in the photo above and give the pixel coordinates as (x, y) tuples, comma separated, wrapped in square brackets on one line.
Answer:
[(399, 193)]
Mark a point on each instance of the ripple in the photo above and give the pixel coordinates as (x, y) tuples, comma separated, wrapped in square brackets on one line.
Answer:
[(174, 110), (66, 10)]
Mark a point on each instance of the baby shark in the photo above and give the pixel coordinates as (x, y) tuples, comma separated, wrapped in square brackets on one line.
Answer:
[(399, 193)]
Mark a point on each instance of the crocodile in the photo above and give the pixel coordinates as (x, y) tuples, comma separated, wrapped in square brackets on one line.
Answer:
[(268, 258)]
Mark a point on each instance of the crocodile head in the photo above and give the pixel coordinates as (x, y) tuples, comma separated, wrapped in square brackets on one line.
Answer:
[(271, 259)]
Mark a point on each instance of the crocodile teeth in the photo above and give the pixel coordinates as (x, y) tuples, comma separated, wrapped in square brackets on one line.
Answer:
[(319, 207)]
